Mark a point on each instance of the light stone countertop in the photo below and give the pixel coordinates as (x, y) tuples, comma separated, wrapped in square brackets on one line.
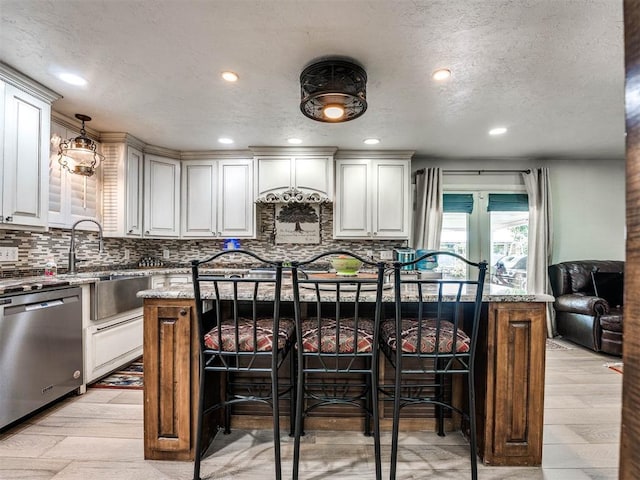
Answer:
[(494, 294), (18, 285)]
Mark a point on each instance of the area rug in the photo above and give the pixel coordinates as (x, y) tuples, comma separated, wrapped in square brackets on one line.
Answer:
[(615, 366), (553, 345), (130, 376)]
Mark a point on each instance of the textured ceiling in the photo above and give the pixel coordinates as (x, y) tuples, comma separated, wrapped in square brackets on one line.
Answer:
[(551, 71)]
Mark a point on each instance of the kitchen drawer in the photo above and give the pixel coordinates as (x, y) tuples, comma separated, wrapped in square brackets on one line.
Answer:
[(112, 345)]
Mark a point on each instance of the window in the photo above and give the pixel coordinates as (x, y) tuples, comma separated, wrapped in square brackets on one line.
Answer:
[(491, 226)]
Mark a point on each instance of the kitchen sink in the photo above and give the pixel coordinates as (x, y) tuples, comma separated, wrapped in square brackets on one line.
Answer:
[(115, 294)]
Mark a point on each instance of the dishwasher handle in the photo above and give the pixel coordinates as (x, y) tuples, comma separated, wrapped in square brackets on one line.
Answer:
[(42, 305)]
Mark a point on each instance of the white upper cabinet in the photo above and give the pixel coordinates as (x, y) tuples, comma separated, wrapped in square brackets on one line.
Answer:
[(133, 191), (199, 195), (217, 198), (71, 197), (284, 175), (236, 210), (373, 195), (161, 196), (352, 208), (122, 186), (24, 143)]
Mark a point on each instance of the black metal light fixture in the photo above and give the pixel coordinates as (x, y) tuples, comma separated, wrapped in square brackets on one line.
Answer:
[(333, 90), (79, 155)]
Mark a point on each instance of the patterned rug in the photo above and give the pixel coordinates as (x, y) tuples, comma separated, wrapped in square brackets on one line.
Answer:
[(553, 345), (130, 376)]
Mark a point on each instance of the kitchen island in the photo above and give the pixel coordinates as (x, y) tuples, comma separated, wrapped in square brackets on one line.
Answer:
[(509, 388)]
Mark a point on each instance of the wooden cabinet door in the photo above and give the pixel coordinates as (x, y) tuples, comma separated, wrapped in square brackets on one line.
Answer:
[(25, 176), (514, 389), (162, 197), (171, 379)]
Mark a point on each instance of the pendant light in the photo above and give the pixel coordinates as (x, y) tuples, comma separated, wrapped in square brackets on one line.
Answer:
[(78, 155)]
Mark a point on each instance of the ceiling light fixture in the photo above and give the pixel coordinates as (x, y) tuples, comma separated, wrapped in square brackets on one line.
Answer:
[(371, 141), (498, 131), (230, 76), (225, 140), (333, 90), (441, 74), (294, 141), (78, 155)]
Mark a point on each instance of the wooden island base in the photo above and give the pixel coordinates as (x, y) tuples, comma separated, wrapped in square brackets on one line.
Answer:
[(510, 385)]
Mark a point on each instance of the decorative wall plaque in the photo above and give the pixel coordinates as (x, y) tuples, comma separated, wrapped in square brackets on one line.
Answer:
[(297, 223)]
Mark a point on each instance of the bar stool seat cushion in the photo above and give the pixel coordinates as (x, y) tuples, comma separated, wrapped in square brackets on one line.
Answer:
[(263, 335), (346, 336), (409, 336)]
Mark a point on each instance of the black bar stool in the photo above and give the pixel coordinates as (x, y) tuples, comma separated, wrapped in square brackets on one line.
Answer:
[(337, 339), (241, 332), (433, 337)]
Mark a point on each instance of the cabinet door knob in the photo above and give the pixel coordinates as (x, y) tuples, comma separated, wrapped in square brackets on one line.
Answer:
[(146, 232), (183, 312), (8, 219), (130, 231), (375, 233)]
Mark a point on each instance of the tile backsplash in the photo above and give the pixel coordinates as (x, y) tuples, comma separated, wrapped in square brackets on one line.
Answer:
[(34, 248)]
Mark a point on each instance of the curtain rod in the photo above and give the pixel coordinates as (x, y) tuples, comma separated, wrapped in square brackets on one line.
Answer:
[(472, 172)]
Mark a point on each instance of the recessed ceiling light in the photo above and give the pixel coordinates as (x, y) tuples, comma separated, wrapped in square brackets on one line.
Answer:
[(72, 79), (441, 74), (498, 131), (230, 76), (371, 141), (294, 141), (225, 140)]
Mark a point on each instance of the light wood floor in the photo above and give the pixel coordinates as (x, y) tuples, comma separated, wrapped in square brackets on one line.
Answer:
[(98, 436)]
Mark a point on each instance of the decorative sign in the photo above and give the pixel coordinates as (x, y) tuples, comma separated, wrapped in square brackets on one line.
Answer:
[(297, 223)]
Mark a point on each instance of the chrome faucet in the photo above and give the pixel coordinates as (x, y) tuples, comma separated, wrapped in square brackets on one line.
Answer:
[(72, 246)]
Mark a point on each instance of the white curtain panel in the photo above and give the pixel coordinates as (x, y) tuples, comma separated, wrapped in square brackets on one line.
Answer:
[(427, 210), (540, 238)]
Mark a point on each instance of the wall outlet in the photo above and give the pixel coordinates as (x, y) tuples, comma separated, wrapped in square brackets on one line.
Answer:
[(386, 255), (166, 253), (127, 254), (8, 254), (369, 254)]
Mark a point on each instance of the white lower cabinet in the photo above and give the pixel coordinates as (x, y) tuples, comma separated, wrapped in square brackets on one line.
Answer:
[(113, 343)]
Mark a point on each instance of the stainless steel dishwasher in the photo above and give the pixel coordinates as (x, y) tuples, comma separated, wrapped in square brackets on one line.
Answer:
[(40, 349)]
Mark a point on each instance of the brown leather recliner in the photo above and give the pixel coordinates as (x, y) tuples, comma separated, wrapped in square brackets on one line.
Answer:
[(581, 317)]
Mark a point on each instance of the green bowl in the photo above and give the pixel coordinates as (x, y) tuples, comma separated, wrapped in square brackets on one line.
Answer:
[(346, 266)]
